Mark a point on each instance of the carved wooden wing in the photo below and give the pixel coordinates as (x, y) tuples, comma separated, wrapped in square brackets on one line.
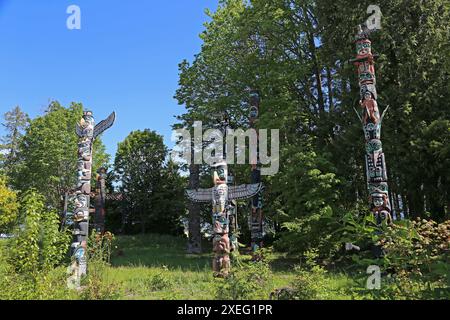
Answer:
[(245, 191), (200, 195), (104, 125), (79, 130), (114, 196)]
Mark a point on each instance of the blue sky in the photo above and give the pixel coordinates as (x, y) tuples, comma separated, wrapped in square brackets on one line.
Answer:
[(125, 58)]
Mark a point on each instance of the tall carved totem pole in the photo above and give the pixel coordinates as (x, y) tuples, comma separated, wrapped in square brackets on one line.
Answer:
[(87, 131), (256, 218), (100, 197), (222, 196), (376, 171)]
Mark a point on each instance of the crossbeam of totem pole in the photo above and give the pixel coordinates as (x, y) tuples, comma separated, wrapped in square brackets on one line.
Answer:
[(87, 132), (372, 119)]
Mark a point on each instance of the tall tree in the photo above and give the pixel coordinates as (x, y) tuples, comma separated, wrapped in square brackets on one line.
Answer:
[(15, 123), (294, 53), (48, 154), (150, 186)]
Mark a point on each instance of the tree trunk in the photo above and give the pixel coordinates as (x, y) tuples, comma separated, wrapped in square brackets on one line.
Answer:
[(330, 89), (195, 237)]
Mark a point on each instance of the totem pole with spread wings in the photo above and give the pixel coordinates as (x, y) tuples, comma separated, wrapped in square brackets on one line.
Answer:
[(87, 132), (221, 196)]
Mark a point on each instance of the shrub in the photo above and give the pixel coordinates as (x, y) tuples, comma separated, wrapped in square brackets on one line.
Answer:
[(9, 207), (38, 245), (95, 286), (159, 281), (415, 259), (246, 281), (310, 282), (28, 261)]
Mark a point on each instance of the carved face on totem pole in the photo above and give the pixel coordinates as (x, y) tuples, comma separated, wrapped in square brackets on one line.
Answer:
[(87, 124), (363, 48), (376, 166), (370, 107), (102, 172), (368, 88), (254, 112), (254, 98), (220, 173), (220, 198), (379, 199)]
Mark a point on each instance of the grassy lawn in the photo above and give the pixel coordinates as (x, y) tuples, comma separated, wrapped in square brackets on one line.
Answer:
[(157, 267)]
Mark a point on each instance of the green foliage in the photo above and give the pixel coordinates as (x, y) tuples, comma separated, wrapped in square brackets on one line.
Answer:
[(310, 282), (95, 286), (293, 53), (153, 190), (415, 260), (38, 245), (159, 282), (9, 207), (246, 281), (48, 154), (16, 121), (309, 214), (28, 268), (101, 246)]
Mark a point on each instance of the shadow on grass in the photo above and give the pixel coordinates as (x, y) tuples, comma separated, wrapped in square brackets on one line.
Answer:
[(156, 251), (165, 251)]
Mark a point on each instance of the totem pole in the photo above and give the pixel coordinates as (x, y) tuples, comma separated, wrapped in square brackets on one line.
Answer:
[(372, 120), (222, 197), (87, 132), (100, 197), (256, 218)]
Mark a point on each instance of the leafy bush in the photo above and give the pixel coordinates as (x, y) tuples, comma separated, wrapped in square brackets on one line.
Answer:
[(28, 261), (311, 281), (310, 212), (38, 245), (159, 281), (95, 286), (9, 207), (415, 259), (246, 281)]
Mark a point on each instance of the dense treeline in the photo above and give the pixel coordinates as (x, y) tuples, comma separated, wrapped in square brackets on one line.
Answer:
[(294, 53)]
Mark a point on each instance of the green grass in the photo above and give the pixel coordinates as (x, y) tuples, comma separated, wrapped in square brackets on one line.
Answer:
[(157, 267)]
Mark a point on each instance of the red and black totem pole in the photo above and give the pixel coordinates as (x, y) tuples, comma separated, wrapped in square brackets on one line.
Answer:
[(377, 178)]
